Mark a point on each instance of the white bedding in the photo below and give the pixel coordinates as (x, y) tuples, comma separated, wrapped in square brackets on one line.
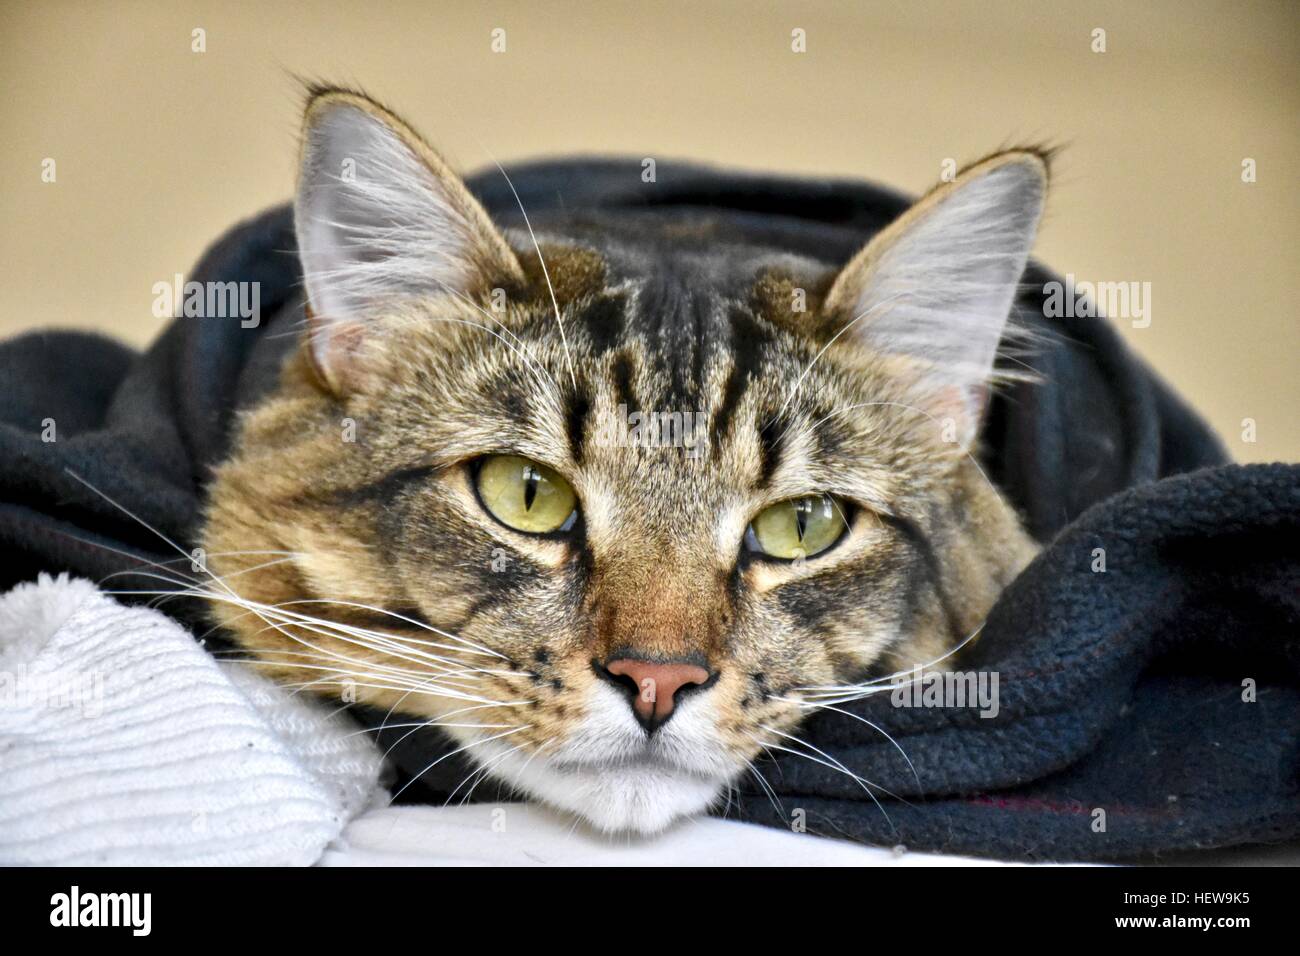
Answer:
[(517, 834)]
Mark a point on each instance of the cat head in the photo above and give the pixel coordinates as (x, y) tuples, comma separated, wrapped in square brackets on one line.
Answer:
[(604, 498)]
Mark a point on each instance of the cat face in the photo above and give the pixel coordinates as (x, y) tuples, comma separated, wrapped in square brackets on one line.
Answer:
[(603, 500)]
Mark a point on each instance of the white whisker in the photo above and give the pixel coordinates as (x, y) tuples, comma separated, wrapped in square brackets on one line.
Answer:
[(564, 342), (453, 753)]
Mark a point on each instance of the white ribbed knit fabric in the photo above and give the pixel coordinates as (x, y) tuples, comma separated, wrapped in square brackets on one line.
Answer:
[(122, 742)]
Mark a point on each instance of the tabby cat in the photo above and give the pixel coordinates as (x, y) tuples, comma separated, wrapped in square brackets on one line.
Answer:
[(470, 501)]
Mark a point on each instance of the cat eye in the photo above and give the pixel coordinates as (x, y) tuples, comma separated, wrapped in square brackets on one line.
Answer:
[(797, 527), (525, 495)]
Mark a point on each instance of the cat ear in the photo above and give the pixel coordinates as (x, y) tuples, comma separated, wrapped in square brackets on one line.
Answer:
[(380, 219), (938, 283)]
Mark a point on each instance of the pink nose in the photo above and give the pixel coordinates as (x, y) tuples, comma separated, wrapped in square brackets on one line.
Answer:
[(656, 685)]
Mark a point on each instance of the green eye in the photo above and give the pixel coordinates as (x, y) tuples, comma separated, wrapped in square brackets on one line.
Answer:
[(797, 527), (526, 496)]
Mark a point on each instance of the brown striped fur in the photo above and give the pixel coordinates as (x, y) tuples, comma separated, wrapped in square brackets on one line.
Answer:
[(391, 519)]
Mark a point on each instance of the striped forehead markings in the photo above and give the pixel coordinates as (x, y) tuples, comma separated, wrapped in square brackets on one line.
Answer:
[(749, 340), (636, 336)]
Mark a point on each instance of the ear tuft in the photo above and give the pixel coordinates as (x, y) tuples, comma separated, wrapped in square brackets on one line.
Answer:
[(381, 219), (938, 284)]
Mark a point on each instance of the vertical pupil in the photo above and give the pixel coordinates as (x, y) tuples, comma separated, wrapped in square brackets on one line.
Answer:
[(801, 509), (531, 480)]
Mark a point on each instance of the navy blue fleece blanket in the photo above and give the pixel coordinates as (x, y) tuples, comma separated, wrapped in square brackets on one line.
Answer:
[(1150, 707)]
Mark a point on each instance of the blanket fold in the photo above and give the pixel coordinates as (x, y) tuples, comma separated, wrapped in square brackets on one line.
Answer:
[(1148, 707)]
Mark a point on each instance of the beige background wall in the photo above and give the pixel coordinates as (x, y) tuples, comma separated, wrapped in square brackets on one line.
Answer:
[(159, 148)]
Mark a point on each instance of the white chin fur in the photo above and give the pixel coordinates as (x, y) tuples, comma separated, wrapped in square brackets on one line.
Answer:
[(642, 799), (608, 773)]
